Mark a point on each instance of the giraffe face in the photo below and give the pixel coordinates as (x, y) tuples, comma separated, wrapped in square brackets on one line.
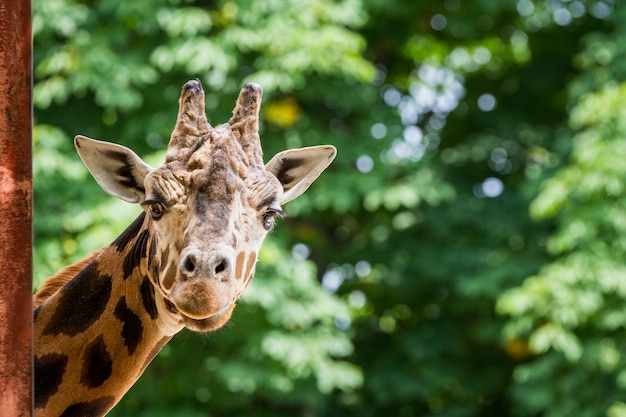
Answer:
[(211, 203), (209, 222)]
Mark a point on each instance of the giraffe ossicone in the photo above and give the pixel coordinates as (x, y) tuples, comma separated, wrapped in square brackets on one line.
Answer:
[(184, 262)]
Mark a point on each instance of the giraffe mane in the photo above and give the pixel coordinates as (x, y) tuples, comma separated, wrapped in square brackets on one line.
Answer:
[(58, 280)]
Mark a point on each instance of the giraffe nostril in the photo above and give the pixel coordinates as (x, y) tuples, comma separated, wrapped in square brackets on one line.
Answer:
[(196, 265), (190, 264), (220, 267)]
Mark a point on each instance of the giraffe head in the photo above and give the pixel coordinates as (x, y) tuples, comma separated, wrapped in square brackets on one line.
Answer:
[(210, 205)]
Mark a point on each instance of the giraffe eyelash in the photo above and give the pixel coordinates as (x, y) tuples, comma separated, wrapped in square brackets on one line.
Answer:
[(157, 208), (269, 217), (150, 202), (277, 212)]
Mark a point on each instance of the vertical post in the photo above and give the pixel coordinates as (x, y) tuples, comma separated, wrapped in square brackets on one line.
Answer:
[(16, 369)]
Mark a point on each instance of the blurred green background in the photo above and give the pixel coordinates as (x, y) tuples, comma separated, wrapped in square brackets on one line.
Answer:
[(463, 256)]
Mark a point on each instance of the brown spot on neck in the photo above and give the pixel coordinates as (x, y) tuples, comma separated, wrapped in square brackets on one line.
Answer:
[(97, 407), (82, 302), (129, 234), (147, 298), (97, 364), (132, 328), (58, 280), (137, 252), (49, 371)]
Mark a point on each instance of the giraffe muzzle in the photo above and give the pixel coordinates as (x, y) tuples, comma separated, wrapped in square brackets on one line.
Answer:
[(216, 265), (206, 283)]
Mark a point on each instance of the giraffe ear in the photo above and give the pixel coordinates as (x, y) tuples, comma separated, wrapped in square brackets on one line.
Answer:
[(296, 169), (118, 170)]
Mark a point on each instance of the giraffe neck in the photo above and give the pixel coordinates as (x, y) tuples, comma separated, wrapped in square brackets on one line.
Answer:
[(96, 334)]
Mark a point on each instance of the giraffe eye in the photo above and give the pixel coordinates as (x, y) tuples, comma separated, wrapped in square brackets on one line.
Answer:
[(268, 220), (270, 216), (156, 210)]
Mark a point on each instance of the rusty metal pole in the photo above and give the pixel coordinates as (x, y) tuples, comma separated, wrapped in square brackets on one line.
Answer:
[(16, 369)]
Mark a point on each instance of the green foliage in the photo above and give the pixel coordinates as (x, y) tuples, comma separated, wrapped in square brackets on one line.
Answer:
[(463, 256), (574, 305)]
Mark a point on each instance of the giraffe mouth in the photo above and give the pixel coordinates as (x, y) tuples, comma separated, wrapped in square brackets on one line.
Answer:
[(203, 304), (218, 313), (201, 324), (210, 323)]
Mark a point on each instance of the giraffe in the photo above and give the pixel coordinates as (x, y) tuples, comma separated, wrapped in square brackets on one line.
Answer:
[(184, 261)]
